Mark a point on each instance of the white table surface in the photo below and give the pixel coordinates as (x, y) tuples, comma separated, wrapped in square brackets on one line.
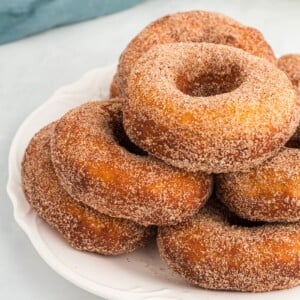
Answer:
[(33, 68)]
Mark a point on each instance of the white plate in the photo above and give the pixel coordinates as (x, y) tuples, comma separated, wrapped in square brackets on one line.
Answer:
[(139, 275)]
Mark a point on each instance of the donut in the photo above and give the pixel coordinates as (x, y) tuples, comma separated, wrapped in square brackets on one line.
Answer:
[(99, 166), (270, 192), (290, 64), (216, 250), (84, 228), (207, 107), (192, 26)]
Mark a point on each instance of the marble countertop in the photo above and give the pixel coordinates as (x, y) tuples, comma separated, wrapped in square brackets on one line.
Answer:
[(33, 68)]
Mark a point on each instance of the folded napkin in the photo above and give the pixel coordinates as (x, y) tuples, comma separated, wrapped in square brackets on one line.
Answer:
[(20, 18)]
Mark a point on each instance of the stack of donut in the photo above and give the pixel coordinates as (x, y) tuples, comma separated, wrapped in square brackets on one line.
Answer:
[(196, 96)]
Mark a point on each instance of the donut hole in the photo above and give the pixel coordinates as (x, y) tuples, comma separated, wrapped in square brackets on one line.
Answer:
[(234, 220), (123, 140), (213, 82), (293, 143)]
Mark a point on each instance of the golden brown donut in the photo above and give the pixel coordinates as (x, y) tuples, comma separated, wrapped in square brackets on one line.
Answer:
[(270, 193), (216, 250), (207, 107), (84, 228), (99, 166), (290, 64), (192, 26)]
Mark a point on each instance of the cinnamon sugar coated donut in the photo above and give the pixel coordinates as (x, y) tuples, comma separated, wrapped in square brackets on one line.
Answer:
[(271, 192), (192, 26), (290, 64), (84, 228), (100, 167), (213, 250), (206, 107)]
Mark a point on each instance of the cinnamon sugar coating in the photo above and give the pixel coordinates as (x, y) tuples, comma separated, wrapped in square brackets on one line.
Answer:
[(84, 228), (213, 252), (207, 107), (192, 26), (290, 64), (97, 170), (271, 192)]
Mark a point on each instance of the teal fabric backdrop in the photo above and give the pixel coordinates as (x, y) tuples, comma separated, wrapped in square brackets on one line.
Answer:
[(20, 18)]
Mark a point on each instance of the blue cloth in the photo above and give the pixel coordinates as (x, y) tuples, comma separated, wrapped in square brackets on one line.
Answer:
[(20, 18)]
